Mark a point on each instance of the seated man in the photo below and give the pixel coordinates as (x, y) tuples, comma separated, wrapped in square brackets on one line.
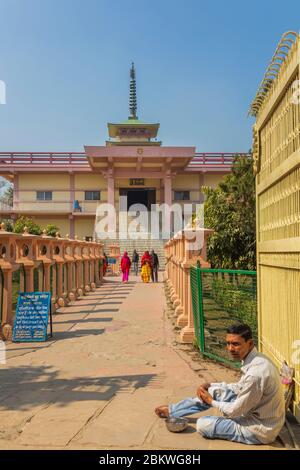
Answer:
[(253, 409), (77, 207)]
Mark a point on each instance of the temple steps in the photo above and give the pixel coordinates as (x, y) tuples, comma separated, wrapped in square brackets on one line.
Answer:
[(140, 245)]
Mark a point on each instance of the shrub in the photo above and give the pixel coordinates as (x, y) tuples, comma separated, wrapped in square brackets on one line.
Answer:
[(51, 230), (8, 225), (32, 227)]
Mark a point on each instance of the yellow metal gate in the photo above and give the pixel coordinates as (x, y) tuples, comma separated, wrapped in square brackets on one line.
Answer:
[(276, 153)]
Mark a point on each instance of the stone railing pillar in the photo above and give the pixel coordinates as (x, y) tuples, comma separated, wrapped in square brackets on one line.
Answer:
[(7, 266), (69, 248), (25, 254), (195, 246), (44, 254), (27, 251), (180, 303), (182, 252), (99, 270), (59, 257), (114, 252)]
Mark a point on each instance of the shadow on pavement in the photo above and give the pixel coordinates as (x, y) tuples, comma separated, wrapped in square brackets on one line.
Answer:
[(59, 335), (85, 320), (35, 384)]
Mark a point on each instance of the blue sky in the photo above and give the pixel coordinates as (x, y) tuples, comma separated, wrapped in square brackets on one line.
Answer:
[(66, 68)]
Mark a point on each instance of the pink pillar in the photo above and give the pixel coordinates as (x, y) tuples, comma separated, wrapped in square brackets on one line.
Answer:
[(168, 200), (111, 200), (72, 191), (168, 189), (16, 194), (110, 189), (187, 334), (7, 314), (179, 308)]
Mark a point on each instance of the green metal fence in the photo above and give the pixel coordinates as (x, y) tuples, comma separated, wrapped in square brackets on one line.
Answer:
[(221, 297)]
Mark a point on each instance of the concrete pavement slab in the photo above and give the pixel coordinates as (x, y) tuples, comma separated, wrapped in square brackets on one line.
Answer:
[(125, 422), (96, 384)]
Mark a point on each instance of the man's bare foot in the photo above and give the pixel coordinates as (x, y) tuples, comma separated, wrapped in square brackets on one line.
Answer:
[(162, 411)]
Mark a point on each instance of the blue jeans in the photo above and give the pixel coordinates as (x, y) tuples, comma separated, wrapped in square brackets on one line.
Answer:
[(214, 427), (135, 267)]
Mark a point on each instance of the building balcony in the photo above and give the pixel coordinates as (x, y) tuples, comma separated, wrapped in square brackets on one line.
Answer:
[(30, 162), (34, 207)]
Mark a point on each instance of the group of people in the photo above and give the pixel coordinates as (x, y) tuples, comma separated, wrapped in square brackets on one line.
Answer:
[(149, 266)]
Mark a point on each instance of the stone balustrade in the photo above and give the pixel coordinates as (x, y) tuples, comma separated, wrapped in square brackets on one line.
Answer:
[(181, 252), (65, 267), (114, 252)]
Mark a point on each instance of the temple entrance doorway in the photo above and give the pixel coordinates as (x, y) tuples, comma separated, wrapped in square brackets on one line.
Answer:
[(137, 196)]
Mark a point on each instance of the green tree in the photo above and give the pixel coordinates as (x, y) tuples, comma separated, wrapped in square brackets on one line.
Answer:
[(32, 227), (7, 193), (51, 230), (229, 209), (8, 196)]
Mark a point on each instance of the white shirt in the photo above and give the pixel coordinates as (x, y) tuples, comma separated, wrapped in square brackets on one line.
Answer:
[(259, 404)]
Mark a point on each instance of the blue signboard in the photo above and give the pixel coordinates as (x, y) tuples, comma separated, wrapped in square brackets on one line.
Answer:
[(32, 314), (111, 260)]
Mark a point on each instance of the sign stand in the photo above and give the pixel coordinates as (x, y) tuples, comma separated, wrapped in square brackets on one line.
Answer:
[(32, 315)]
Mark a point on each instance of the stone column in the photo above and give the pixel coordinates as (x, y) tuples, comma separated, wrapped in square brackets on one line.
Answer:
[(72, 192), (110, 189), (93, 273), (7, 314), (168, 201), (168, 189), (59, 292), (183, 319), (29, 268), (79, 285), (176, 297), (111, 199), (47, 266), (179, 307), (187, 334), (71, 287)]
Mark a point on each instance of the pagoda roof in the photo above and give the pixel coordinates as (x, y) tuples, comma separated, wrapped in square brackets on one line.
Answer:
[(113, 128)]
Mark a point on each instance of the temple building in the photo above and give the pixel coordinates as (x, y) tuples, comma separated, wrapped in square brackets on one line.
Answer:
[(64, 188)]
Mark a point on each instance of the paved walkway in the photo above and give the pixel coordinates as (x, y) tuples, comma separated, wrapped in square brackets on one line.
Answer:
[(95, 385)]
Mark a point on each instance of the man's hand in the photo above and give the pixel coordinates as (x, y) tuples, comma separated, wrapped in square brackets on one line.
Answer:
[(204, 386), (204, 395)]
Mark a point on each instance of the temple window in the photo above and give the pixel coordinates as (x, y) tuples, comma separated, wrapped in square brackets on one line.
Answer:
[(44, 195), (92, 195), (181, 195)]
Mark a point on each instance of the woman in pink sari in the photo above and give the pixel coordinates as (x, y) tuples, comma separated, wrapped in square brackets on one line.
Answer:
[(125, 266)]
